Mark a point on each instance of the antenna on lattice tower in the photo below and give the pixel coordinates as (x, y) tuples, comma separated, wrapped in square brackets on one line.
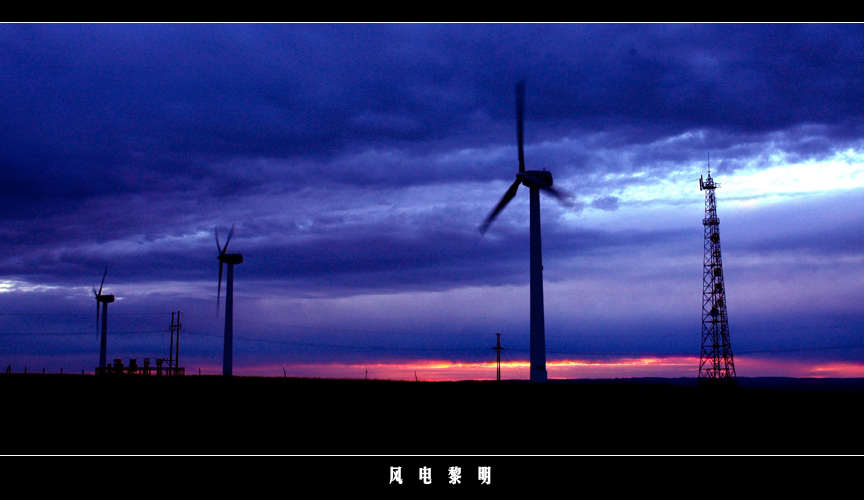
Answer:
[(716, 364)]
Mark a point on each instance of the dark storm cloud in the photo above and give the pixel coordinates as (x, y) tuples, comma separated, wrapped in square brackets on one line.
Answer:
[(97, 108), (814, 226), (426, 260), (117, 108), (606, 203)]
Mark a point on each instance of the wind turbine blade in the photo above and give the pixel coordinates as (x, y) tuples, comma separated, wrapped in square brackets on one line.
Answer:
[(511, 192), (103, 280), (219, 289), (230, 234), (97, 318), (520, 119), (218, 246), (562, 196)]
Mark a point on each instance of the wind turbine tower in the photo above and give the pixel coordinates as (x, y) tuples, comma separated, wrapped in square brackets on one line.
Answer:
[(231, 259), (716, 364), (103, 341), (535, 181)]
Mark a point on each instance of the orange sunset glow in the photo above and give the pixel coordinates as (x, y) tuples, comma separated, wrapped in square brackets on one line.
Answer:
[(444, 371)]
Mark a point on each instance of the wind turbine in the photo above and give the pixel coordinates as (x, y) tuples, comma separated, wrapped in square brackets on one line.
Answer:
[(231, 259), (535, 181), (104, 300)]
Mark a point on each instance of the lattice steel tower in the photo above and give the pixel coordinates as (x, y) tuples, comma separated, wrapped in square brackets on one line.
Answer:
[(715, 362)]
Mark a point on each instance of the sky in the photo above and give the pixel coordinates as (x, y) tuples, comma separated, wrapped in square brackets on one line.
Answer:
[(357, 162)]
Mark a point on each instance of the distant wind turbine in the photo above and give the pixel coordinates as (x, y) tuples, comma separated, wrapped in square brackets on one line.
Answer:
[(230, 259), (104, 300), (535, 181)]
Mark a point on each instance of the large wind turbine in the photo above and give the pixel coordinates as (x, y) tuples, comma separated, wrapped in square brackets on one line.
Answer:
[(104, 300), (231, 259), (535, 181)]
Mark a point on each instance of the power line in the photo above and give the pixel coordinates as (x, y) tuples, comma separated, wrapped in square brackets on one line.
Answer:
[(338, 329), (81, 314), (81, 333), (331, 346), (794, 349), (426, 349), (480, 349)]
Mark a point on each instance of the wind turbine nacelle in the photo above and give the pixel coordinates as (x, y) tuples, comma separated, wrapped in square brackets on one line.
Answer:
[(536, 178), (105, 299), (231, 258)]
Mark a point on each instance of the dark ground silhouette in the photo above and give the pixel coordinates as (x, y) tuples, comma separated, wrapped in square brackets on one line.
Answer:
[(202, 415)]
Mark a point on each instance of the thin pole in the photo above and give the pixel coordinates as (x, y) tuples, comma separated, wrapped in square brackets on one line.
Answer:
[(171, 343), (498, 348), (177, 351)]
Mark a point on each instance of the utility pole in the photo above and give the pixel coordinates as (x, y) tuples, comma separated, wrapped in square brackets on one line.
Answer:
[(716, 364), (174, 353), (171, 345), (177, 350), (499, 349)]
